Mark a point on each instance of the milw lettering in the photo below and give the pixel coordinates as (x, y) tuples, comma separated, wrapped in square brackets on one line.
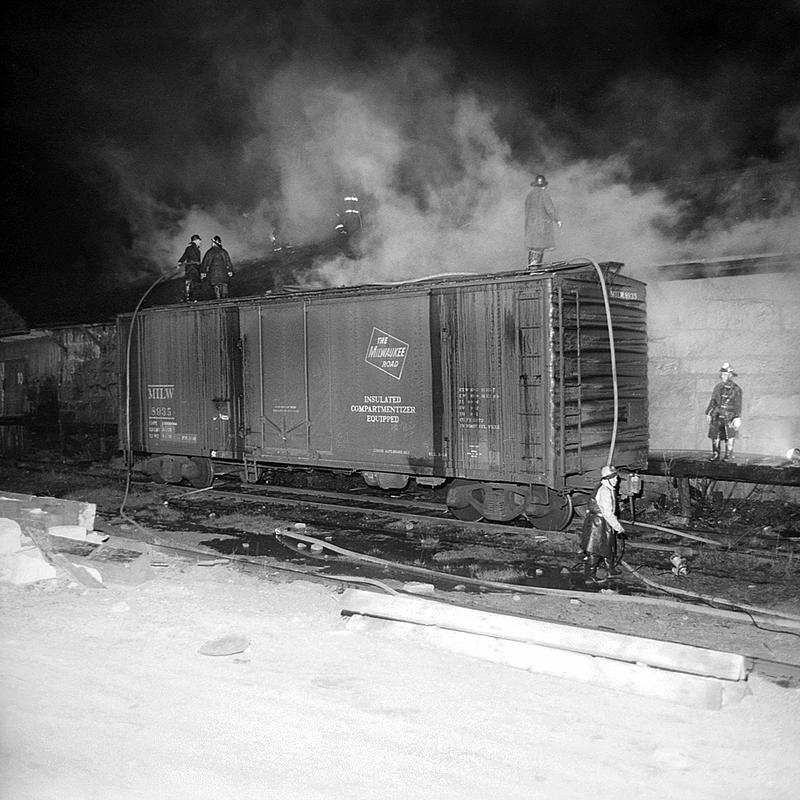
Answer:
[(160, 392)]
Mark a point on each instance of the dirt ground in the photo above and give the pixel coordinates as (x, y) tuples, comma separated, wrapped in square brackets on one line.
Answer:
[(105, 695)]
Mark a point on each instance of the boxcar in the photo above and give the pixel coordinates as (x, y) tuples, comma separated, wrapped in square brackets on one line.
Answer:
[(502, 384)]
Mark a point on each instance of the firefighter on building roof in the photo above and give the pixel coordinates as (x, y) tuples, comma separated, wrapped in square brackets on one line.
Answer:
[(190, 261), (348, 218), (601, 527), (724, 413), (540, 217), (217, 267)]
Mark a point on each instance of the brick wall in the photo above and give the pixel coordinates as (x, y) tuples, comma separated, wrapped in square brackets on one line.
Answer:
[(750, 320)]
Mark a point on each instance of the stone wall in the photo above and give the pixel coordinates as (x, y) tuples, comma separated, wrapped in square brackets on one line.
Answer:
[(751, 320)]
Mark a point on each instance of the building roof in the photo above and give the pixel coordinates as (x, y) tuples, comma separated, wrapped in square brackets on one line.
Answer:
[(727, 267), (10, 321)]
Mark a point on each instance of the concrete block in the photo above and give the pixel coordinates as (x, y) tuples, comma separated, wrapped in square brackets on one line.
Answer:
[(10, 535), (417, 587), (76, 532), (48, 510), (25, 566), (678, 688)]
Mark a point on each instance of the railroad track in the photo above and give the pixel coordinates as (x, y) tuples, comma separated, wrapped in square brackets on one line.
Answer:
[(410, 509), (419, 511)]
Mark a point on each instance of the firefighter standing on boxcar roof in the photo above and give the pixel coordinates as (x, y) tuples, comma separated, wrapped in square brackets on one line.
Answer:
[(601, 526), (540, 217), (190, 261), (724, 413), (217, 267)]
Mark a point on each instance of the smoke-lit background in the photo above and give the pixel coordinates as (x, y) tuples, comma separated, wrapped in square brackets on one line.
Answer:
[(667, 131)]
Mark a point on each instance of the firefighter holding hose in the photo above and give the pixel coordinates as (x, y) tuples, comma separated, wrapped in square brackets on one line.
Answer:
[(601, 527)]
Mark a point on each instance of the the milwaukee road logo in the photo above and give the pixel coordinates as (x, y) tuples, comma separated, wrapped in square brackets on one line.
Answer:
[(387, 353)]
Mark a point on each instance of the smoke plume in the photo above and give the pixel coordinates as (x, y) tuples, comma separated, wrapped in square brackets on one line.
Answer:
[(664, 137)]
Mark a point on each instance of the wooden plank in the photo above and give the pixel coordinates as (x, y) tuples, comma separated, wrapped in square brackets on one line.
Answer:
[(684, 497), (673, 687), (621, 647), (746, 468)]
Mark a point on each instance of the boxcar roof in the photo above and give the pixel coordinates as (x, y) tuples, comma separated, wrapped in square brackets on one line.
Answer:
[(442, 280)]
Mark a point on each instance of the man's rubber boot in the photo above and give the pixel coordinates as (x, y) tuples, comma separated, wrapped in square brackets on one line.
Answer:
[(590, 564)]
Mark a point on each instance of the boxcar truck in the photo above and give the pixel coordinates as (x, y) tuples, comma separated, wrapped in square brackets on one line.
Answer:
[(514, 387)]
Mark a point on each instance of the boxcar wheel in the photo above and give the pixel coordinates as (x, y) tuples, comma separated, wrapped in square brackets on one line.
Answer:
[(468, 512), (201, 473), (555, 516)]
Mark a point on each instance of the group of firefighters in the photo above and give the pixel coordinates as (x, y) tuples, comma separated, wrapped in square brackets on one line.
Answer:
[(215, 267)]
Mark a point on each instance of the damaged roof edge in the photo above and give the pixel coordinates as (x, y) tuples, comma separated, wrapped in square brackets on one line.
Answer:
[(725, 267)]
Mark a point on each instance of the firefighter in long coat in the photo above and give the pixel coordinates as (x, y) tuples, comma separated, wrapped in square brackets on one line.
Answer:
[(540, 218), (190, 261), (724, 413), (601, 526), (217, 267)]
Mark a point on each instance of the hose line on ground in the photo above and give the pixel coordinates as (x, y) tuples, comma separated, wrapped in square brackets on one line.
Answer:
[(714, 602)]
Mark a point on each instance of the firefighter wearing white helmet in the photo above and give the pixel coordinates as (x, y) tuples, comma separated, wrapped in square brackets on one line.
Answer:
[(601, 526), (724, 413)]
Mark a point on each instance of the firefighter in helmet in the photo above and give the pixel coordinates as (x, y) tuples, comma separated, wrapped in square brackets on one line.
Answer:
[(190, 261), (540, 218), (724, 413), (348, 218), (601, 526), (217, 266)]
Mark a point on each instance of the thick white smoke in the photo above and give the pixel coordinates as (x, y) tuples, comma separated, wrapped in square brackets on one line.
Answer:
[(441, 190)]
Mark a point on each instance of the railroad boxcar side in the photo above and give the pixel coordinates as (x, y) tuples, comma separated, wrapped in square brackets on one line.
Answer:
[(531, 384), (340, 381), (184, 373), (504, 383), (586, 379)]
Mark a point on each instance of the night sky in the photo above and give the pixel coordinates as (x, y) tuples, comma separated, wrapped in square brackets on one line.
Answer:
[(130, 126)]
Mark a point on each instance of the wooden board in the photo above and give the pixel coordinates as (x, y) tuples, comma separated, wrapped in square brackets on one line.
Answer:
[(620, 647)]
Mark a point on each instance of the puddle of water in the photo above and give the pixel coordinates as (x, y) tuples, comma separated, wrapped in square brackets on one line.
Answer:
[(254, 545), (399, 552)]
